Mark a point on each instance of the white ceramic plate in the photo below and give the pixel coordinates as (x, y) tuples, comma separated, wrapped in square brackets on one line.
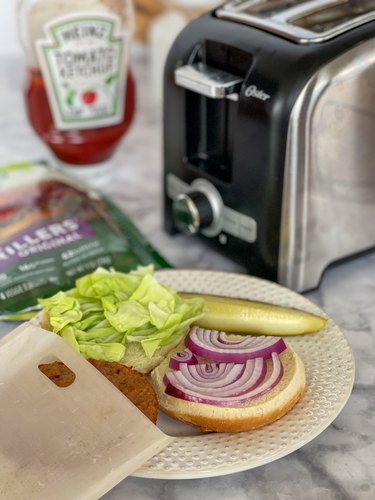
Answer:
[(330, 373)]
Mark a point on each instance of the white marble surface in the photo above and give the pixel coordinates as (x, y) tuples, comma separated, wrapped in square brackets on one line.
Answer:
[(339, 463)]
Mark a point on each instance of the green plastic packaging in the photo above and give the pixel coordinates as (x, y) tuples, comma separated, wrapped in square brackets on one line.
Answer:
[(53, 229)]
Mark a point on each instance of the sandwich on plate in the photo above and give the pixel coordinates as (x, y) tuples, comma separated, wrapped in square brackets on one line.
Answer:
[(220, 381), (224, 383)]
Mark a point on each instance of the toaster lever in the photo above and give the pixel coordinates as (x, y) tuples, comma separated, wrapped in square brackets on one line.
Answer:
[(207, 81)]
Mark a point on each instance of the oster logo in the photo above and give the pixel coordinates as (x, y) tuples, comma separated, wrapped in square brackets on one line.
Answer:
[(253, 91)]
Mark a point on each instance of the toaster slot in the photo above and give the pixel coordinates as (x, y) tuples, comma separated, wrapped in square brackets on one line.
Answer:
[(209, 141), (266, 8), (302, 21), (212, 83), (320, 21)]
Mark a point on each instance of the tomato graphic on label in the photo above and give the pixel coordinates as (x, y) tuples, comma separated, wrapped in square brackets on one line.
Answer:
[(88, 97)]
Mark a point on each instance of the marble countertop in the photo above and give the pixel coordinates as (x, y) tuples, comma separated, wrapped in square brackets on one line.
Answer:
[(339, 463)]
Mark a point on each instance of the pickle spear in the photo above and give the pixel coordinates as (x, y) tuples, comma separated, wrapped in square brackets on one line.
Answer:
[(253, 317)]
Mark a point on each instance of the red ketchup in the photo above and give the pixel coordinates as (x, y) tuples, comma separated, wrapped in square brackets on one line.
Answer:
[(80, 91), (79, 147)]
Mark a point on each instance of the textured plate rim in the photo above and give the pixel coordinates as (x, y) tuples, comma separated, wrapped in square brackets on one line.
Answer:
[(150, 472)]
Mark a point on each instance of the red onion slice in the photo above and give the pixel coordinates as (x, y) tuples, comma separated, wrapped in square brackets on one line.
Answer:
[(209, 372), (185, 356), (214, 345), (234, 384), (197, 394), (222, 374), (212, 371), (229, 375)]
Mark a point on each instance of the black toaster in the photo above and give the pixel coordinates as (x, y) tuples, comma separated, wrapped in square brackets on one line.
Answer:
[(269, 134)]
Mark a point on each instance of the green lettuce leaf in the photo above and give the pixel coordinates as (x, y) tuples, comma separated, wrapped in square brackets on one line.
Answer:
[(128, 315), (68, 333), (107, 310), (62, 310), (108, 351), (101, 284), (149, 290)]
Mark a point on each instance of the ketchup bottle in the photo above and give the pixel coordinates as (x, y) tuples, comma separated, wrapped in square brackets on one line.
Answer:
[(80, 93)]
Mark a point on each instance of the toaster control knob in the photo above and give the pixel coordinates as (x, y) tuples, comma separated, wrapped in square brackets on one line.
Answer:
[(198, 209), (192, 212)]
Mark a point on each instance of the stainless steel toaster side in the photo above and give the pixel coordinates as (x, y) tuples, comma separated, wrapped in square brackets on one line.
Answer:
[(328, 209)]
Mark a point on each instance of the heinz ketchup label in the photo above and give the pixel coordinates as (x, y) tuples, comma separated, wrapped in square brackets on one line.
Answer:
[(83, 61)]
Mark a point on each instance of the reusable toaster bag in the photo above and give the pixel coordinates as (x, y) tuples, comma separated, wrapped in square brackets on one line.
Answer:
[(64, 442)]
